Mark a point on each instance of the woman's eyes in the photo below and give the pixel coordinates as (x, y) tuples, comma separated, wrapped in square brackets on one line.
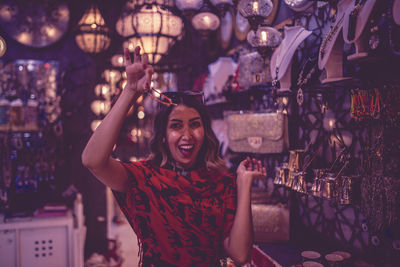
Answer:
[(176, 126), (195, 124)]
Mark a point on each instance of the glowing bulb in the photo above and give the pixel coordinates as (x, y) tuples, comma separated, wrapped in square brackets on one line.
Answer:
[(50, 31), (93, 26), (255, 6), (140, 116), (264, 36), (207, 20)]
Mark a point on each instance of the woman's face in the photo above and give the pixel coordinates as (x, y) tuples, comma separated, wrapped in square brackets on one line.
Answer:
[(185, 135)]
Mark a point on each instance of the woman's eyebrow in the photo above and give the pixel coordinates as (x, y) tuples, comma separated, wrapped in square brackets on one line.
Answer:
[(177, 120), (195, 118), (190, 120)]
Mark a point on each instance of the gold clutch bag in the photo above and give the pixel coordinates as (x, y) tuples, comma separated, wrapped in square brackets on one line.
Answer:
[(270, 223), (252, 71), (258, 132)]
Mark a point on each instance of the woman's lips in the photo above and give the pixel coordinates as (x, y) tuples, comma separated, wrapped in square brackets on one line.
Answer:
[(186, 150)]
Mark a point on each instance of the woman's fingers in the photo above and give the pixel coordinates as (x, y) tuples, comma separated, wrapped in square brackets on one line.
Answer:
[(127, 56), (136, 56), (145, 60)]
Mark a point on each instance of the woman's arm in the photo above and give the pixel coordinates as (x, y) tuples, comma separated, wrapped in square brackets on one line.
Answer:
[(239, 242), (96, 155)]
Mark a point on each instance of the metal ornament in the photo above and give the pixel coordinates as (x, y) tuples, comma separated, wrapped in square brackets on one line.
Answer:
[(300, 97), (374, 40), (35, 23)]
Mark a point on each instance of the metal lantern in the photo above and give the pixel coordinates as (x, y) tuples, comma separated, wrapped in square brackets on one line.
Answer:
[(154, 28), (93, 36), (255, 11), (299, 5), (264, 40), (205, 21)]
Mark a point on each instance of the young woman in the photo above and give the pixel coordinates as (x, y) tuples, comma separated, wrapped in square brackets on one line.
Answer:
[(184, 206)]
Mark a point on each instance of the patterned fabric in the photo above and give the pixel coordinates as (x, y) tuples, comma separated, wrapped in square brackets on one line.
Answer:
[(178, 219)]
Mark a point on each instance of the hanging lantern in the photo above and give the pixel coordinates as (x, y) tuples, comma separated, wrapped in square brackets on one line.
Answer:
[(154, 28), (205, 21), (299, 5), (93, 36), (255, 11), (264, 40)]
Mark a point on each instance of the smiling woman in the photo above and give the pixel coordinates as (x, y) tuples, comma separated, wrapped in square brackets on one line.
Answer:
[(183, 205)]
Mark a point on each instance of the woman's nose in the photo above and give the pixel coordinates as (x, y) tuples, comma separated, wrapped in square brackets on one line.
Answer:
[(187, 132)]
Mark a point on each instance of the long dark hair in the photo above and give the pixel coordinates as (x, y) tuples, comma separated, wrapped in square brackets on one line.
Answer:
[(209, 151)]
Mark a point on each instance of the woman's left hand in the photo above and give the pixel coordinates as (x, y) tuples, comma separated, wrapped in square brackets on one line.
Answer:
[(248, 170)]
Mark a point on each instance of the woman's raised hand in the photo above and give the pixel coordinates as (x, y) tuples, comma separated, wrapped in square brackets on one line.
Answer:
[(138, 71), (248, 170)]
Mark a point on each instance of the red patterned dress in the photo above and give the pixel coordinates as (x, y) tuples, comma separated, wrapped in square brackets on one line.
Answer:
[(179, 220)]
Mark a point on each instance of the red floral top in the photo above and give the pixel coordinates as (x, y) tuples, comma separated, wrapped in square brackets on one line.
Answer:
[(181, 220)]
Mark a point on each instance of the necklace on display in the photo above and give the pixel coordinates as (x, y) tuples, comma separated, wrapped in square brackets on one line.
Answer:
[(279, 58), (329, 36), (309, 68), (353, 18)]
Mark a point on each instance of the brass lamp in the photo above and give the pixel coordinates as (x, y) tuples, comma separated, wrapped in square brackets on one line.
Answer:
[(255, 11), (152, 27), (93, 36)]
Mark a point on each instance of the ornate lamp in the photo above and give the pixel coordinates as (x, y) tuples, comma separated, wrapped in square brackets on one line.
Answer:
[(205, 21), (299, 5), (264, 40), (93, 36), (255, 11), (154, 28)]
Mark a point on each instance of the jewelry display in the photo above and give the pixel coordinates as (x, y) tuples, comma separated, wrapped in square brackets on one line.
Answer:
[(365, 104), (330, 55), (307, 72), (281, 59), (329, 36), (353, 19), (376, 103), (354, 29)]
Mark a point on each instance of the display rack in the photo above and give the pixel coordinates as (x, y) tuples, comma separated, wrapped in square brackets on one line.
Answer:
[(38, 242)]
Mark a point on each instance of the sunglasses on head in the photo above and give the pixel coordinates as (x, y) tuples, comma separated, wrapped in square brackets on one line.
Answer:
[(174, 98)]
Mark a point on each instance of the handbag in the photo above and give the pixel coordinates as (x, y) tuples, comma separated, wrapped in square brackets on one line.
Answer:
[(270, 222), (253, 71), (258, 132)]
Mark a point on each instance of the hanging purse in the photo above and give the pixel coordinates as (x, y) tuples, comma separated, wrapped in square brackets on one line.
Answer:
[(258, 132), (253, 71), (270, 222)]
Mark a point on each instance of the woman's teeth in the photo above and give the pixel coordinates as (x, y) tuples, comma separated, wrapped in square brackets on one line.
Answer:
[(187, 148)]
